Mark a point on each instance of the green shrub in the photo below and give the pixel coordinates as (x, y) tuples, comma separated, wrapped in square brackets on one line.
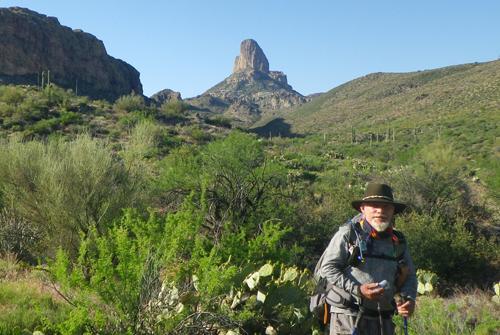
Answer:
[(198, 135), (62, 188), (468, 258), (220, 121), (173, 110), (114, 276), (129, 103), (11, 95)]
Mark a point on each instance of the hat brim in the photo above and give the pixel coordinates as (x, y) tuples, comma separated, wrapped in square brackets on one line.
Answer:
[(398, 206)]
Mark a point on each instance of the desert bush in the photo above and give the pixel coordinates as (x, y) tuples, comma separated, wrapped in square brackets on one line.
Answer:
[(231, 179), (173, 110), (19, 236), (220, 121), (64, 187), (113, 278), (435, 183), (11, 94), (198, 135), (468, 257), (129, 103)]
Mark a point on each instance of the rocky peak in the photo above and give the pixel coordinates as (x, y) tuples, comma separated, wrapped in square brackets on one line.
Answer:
[(251, 91), (251, 58), (166, 95)]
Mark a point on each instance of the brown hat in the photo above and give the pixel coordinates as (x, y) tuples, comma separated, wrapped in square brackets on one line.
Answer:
[(379, 193)]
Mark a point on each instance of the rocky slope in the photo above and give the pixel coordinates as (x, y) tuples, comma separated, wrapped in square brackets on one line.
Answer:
[(251, 91), (32, 43)]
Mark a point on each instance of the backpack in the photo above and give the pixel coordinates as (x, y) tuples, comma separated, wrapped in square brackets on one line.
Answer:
[(325, 294)]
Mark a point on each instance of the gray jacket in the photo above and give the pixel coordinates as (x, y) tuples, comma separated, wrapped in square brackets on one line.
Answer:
[(348, 279)]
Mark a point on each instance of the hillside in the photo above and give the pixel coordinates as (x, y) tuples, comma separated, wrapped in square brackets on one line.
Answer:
[(458, 104), (423, 98)]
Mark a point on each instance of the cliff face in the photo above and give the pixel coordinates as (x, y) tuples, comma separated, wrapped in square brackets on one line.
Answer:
[(251, 58), (251, 90), (31, 43)]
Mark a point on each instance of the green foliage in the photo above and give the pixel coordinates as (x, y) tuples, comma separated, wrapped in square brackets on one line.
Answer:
[(113, 277), (198, 135), (173, 110), (40, 113), (436, 184), (41, 179), (462, 314), (220, 121), (230, 177), (129, 103), (273, 295), (26, 307), (468, 257)]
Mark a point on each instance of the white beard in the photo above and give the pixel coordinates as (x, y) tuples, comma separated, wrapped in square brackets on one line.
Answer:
[(381, 226)]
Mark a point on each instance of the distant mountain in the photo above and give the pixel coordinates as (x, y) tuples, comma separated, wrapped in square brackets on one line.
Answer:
[(406, 100), (36, 48), (251, 91)]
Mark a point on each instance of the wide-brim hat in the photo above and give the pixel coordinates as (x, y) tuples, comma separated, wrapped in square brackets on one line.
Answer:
[(379, 193)]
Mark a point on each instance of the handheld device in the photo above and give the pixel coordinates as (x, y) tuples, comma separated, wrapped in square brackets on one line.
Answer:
[(383, 283)]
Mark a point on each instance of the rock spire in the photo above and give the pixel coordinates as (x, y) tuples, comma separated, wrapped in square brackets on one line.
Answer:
[(251, 58)]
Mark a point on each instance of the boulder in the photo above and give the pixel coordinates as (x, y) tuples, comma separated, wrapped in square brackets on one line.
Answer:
[(164, 96)]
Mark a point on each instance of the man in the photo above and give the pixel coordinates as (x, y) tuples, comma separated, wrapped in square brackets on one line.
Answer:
[(365, 265)]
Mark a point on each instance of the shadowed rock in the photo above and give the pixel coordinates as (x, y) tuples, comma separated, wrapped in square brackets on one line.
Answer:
[(32, 43)]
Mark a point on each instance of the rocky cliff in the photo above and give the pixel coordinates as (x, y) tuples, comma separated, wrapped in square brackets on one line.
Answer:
[(251, 90), (251, 58), (32, 43)]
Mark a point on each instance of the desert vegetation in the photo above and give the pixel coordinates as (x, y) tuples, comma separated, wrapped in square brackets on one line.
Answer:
[(134, 219)]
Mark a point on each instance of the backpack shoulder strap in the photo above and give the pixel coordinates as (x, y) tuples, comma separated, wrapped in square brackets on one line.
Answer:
[(352, 235), (400, 247)]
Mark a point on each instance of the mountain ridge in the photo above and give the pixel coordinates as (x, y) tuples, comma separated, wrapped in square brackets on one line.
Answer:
[(374, 97), (36, 48), (252, 90)]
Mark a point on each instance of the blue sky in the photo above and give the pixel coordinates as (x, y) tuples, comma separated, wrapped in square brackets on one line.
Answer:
[(190, 45)]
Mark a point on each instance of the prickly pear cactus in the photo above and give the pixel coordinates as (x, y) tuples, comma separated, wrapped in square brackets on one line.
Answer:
[(496, 297), (278, 295), (427, 281)]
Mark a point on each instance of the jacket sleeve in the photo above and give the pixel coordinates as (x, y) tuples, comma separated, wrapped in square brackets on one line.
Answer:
[(335, 262), (409, 288)]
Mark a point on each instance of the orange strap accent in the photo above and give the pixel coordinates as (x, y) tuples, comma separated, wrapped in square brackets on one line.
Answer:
[(325, 316)]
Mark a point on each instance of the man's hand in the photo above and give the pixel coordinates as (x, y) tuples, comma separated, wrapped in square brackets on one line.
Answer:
[(371, 291), (406, 308)]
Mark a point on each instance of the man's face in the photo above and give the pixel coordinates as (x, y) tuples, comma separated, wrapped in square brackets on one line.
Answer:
[(379, 215)]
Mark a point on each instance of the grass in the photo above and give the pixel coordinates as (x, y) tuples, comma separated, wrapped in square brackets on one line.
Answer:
[(26, 303), (465, 313)]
